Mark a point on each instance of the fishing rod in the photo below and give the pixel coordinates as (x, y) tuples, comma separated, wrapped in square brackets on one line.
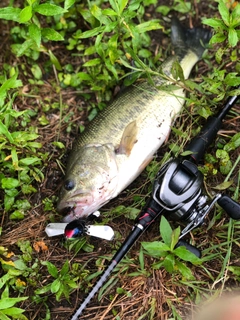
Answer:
[(177, 194)]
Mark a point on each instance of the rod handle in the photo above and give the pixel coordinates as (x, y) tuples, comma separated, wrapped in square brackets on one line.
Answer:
[(204, 139)]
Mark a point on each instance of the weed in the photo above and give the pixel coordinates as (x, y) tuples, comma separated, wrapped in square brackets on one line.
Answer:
[(225, 28), (63, 283), (7, 307), (167, 253), (30, 28)]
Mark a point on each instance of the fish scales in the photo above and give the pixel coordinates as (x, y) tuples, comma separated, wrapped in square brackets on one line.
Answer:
[(123, 138), (132, 105)]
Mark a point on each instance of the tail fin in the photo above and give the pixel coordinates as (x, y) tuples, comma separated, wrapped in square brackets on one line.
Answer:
[(183, 39)]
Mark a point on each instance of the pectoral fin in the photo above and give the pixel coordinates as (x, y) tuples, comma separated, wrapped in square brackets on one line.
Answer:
[(129, 138)]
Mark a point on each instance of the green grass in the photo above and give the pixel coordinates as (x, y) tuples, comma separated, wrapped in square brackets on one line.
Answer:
[(62, 61)]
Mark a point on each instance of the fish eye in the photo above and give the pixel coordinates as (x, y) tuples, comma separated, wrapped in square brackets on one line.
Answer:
[(69, 185)]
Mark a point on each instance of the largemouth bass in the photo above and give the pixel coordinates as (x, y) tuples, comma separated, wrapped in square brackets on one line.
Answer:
[(119, 143)]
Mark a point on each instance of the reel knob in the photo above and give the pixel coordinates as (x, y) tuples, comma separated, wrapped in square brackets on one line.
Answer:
[(231, 207)]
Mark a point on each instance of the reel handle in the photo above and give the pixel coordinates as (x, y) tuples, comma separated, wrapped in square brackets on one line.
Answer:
[(231, 207)]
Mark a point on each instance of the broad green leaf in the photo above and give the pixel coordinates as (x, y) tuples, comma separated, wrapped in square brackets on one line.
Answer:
[(31, 2), (34, 145), (184, 270), (65, 268), (218, 38), (71, 283), (232, 79), (10, 302), (58, 144), (114, 5), (51, 268), (15, 312), (166, 231), (26, 14), (20, 265), (122, 5), (30, 160), (97, 13), (144, 53), (148, 25), (226, 167), (20, 49), (235, 270), (8, 202), (133, 6), (88, 17), (91, 33), (43, 289), (215, 23), (111, 68), (219, 54), (92, 114), (169, 262), (55, 286), (224, 11), (222, 155), (111, 26), (177, 71), (113, 41), (9, 84), (232, 37), (93, 62), (175, 237), (35, 33), (186, 255), (236, 16), (84, 76), (183, 7), (164, 10), (4, 131), (92, 49), (68, 4), (9, 183), (55, 61), (109, 12), (156, 248), (48, 9), (99, 46), (223, 186), (16, 215), (11, 192), (36, 71), (3, 316), (6, 86), (51, 34), (5, 278), (10, 13), (233, 144), (23, 136), (28, 189)]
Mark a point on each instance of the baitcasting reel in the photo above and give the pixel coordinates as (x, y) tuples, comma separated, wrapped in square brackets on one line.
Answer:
[(178, 189)]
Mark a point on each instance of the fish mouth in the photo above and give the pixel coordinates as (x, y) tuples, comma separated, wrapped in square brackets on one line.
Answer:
[(73, 211), (77, 206), (71, 216)]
